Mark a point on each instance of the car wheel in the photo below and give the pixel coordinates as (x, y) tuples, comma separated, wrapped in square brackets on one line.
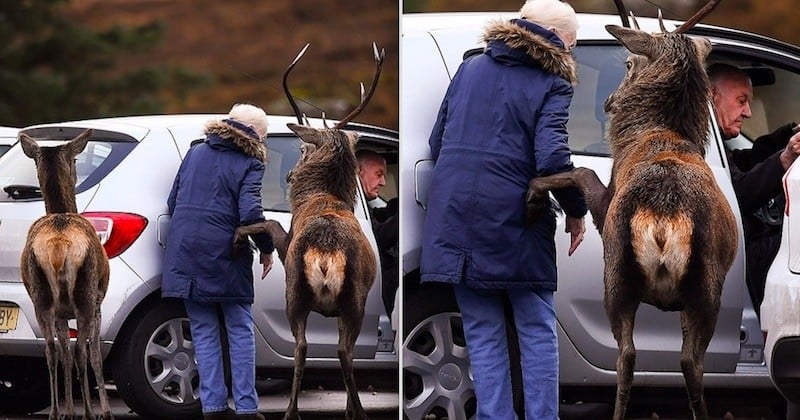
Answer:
[(437, 380), (24, 385), (155, 369)]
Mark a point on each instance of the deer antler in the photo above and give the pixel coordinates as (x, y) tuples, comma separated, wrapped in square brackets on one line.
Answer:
[(286, 86), (661, 22), (365, 97), (697, 17), (623, 13)]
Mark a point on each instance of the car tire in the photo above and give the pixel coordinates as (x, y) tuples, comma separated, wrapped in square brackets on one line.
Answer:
[(24, 385), (437, 380), (154, 367)]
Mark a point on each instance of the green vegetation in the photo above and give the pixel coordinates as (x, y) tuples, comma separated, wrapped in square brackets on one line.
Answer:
[(54, 69)]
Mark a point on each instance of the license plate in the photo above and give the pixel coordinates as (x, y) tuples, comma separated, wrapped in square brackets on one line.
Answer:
[(9, 315)]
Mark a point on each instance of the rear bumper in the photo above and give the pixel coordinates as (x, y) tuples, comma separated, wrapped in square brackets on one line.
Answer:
[(785, 367)]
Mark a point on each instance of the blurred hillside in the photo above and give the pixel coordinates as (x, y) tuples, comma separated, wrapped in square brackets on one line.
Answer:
[(771, 18), (245, 45)]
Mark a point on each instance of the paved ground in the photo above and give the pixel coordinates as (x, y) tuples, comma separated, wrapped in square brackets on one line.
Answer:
[(312, 404)]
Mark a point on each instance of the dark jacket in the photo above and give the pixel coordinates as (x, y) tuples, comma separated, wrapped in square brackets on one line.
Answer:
[(217, 188), (757, 173), (502, 122)]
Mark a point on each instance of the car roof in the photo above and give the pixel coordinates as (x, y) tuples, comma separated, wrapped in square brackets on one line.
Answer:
[(8, 131), (138, 126), (590, 26)]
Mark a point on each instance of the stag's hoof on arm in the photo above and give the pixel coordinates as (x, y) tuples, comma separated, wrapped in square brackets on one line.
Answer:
[(537, 203)]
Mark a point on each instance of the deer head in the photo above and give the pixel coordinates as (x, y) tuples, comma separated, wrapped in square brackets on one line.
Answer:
[(55, 168), (319, 145), (665, 72)]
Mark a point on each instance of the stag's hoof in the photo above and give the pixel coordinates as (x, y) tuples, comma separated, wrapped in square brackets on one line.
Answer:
[(537, 204)]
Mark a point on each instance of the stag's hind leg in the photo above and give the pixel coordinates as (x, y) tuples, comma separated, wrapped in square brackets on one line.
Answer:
[(62, 332), (621, 307), (297, 314), (697, 322), (46, 320), (96, 359), (349, 327)]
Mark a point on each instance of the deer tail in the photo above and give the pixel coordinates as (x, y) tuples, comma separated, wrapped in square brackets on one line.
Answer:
[(662, 244), (56, 262), (325, 271)]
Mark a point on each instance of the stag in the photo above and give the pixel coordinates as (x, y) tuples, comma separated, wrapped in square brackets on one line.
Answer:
[(669, 235), (330, 265), (65, 271)]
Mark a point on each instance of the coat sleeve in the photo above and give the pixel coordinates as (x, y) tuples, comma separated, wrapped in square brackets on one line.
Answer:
[(755, 187), (763, 147), (250, 209), (551, 149), (435, 140), (176, 185)]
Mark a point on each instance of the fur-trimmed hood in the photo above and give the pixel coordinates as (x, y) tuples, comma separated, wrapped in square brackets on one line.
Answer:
[(240, 136), (540, 45)]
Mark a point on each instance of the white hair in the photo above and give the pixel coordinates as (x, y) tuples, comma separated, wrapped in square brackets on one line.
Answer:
[(551, 14), (251, 115)]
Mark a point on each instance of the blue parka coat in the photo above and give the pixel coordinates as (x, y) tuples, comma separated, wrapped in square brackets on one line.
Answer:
[(502, 122), (217, 189)]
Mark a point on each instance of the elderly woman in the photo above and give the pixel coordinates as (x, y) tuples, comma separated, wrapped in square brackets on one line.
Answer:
[(216, 190), (502, 122)]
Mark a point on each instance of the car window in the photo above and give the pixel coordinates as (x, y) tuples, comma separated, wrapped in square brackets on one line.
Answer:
[(282, 155), (95, 162), (600, 70), (773, 105)]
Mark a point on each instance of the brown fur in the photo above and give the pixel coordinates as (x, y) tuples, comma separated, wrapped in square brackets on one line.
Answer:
[(65, 271), (669, 235), (330, 265)]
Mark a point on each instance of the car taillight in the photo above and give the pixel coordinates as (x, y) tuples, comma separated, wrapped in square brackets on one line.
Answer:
[(117, 231)]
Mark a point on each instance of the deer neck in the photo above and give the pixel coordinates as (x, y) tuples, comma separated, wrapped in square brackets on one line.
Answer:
[(59, 198)]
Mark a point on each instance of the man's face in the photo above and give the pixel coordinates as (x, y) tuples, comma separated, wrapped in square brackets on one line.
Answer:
[(373, 176), (732, 98)]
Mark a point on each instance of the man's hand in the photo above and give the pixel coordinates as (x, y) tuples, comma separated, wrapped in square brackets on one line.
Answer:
[(266, 261), (576, 228), (791, 151)]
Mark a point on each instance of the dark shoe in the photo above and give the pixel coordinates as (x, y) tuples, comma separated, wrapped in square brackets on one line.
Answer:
[(256, 416), (228, 414)]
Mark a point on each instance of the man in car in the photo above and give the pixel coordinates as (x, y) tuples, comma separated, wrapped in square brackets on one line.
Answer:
[(756, 173), (372, 173)]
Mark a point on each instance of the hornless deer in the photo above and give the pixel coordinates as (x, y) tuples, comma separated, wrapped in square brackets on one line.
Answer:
[(669, 235), (65, 271), (330, 265)]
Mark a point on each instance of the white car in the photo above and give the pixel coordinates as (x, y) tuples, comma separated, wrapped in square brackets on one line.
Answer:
[(780, 311), (436, 374), (8, 136), (124, 177)]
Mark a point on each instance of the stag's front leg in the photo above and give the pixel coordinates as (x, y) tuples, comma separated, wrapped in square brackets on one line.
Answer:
[(349, 327), (596, 194), (697, 324)]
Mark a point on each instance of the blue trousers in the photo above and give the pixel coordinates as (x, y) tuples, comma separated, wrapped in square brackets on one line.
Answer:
[(485, 331), (206, 337)]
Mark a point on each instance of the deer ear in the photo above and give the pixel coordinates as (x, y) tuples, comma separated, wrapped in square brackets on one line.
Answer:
[(77, 144), (637, 42), (29, 146), (307, 134), (703, 46)]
